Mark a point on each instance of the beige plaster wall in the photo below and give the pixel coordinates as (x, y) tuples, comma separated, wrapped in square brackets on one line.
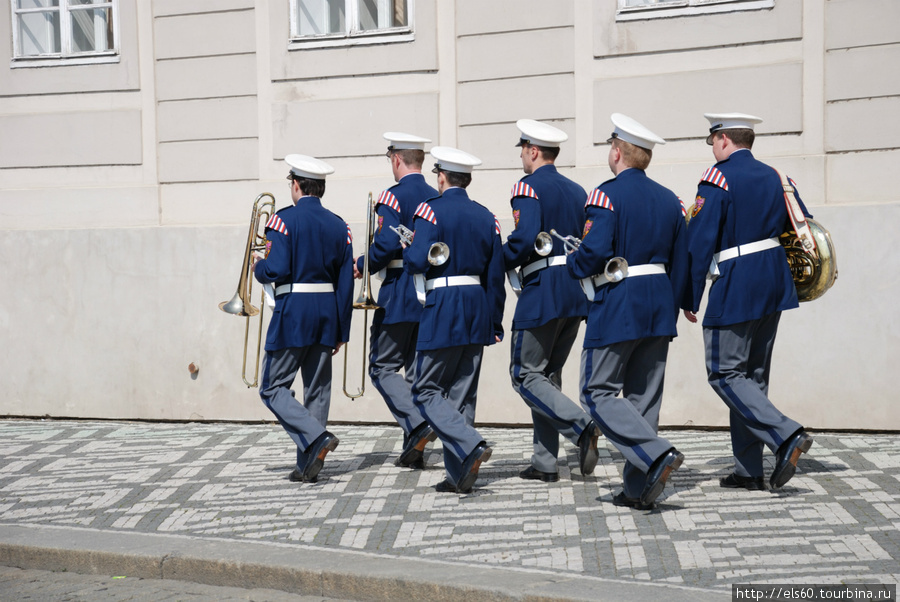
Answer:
[(123, 245)]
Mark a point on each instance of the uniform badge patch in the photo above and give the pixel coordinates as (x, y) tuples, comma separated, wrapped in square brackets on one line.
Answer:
[(587, 228), (698, 205), (516, 218), (380, 222)]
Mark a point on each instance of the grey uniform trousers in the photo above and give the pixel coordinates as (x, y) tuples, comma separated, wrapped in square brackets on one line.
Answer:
[(303, 422), (445, 392), (637, 370), (738, 360), (392, 348), (537, 357)]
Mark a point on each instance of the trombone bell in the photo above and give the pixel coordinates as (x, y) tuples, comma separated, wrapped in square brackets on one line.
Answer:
[(238, 307)]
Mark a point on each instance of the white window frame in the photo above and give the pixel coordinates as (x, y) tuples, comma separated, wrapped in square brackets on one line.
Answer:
[(682, 8), (352, 36), (67, 55)]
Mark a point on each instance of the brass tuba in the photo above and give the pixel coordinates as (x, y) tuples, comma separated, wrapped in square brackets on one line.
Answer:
[(240, 305), (364, 301), (813, 271)]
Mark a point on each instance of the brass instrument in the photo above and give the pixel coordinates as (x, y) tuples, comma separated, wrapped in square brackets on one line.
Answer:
[(239, 305), (616, 269), (364, 301), (543, 244), (571, 242), (438, 253), (814, 272)]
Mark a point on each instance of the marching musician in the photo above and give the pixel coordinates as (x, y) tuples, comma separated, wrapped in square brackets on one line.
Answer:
[(737, 217), (309, 263), (463, 312), (551, 305), (634, 309), (396, 323)]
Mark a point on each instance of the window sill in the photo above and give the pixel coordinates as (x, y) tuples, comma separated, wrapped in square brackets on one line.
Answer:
[(683, 10), (344, 41), (31, 62)]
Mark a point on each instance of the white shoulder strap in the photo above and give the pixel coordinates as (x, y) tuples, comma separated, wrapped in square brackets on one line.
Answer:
[(802, 229)]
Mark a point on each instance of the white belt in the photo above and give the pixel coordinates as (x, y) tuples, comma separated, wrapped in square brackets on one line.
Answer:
[(451, 281), (739, 251), (395, 264), (305, 287), (646, 269), (753, 247), (540, 264)]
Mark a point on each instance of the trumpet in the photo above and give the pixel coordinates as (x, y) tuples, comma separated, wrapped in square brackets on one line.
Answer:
[(543, 244), (438, 253), (240, 305), (571, 242), (364, 301)]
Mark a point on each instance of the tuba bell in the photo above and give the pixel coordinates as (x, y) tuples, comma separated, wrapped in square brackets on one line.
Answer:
[(240, 304), (814, 271)]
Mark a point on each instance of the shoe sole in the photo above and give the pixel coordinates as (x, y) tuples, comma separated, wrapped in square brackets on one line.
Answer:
[(467, 480), (589, 462), (546, 479), (791, 467), (312, 471), (651, 495), (747, 486)]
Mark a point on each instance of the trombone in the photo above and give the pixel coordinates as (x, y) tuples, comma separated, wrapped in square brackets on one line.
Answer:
[(364, 301), (240, 305)]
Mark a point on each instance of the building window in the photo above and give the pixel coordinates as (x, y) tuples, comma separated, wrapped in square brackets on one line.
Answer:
[(64, 30), (630, 10), (342, 22)]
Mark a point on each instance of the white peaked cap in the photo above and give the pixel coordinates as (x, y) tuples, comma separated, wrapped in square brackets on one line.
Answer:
[(540, 134), (731, 121), (629, 130), (305, 166), (402, 141), (453, 159)]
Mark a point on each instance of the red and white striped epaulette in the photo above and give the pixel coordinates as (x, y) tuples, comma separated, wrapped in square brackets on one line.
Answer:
[(276, 224), (598, 198), (349, 235), (387, 198), (793, 183), (496, 225), (714, 177), (425, 211), (522, 189), (683, 208)]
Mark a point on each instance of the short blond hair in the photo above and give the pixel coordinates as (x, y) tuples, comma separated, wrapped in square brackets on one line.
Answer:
[(633, 155)]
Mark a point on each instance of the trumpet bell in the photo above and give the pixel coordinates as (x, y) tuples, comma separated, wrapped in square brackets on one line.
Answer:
[(438, 254), (237, 307), (616, 269), (543, 244)]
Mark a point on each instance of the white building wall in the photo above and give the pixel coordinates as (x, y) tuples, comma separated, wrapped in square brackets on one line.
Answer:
[(125, 189)]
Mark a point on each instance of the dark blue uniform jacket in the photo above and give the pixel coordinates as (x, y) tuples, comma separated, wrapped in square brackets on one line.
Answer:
[(739, 201), (459, 315), (632, 216), (308, 244), (542, 201), (396, 206)]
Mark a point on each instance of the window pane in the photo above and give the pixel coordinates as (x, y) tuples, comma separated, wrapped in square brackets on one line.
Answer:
[(382, 14), (36, 3), (634, 3), (85, 2), (92, 30), (38, 33), (320, 17)]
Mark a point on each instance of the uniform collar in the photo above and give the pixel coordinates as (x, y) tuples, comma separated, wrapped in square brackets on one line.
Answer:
[(309, 199), (547, 168)]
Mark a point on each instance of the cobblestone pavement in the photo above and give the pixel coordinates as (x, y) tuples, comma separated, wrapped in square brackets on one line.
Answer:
[(835, 522)]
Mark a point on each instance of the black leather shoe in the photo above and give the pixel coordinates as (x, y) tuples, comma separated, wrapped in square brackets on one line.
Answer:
[(445, 486), (481, 453), (316, 453), (415, 445), (587, 448), (787, 456), (659, 474), (297, 477), (631, 502), (736, 481), (537, 475)]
